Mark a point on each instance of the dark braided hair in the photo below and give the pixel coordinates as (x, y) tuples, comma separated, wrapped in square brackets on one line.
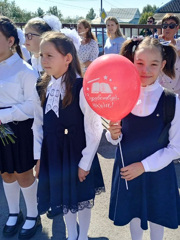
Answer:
[(8, 29)]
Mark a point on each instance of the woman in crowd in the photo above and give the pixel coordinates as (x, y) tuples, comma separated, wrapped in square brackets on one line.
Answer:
[(115, 37)]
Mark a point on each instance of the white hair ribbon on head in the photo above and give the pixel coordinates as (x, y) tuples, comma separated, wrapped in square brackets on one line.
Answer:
[(164, 43), (73, 35), (53, 21), (20, 36)]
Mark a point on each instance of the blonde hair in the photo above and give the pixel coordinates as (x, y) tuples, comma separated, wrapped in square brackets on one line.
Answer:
[(118, 32)]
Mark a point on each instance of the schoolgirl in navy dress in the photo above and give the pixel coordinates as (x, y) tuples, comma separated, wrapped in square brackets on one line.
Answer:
[(66, 135), (17, 80), (34, 28), (150, 141)]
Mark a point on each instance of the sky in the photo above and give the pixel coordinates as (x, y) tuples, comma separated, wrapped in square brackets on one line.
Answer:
[(75, 8)]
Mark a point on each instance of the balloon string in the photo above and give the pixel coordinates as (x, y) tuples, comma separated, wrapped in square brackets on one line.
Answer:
[(122, 159)]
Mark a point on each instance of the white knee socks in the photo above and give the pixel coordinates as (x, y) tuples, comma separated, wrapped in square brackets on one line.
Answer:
[(136, 230), (30, 197), (71, 224), (84, 217), (12, 193), (156, 231)]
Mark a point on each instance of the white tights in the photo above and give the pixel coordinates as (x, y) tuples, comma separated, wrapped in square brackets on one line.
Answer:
[(156, 231), (84, 217)]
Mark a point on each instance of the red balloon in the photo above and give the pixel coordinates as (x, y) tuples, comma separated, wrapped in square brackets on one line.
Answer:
[(111, 86)]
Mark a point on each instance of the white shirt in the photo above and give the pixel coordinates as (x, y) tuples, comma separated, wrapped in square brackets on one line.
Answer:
[(92, 126), (145, 105), (17, 81), (36, 64)]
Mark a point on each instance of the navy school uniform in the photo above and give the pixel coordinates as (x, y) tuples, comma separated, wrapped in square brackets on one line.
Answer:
[(63, 141), (152, 196)]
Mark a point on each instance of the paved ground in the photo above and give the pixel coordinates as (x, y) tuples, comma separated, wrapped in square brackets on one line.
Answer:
[(101, 227)]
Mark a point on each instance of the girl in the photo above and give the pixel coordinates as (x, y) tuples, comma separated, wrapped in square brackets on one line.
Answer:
[(88, 50), (68, 140), (170, 26), (149, 144), (115, 37), (34, 28), (17, 81)]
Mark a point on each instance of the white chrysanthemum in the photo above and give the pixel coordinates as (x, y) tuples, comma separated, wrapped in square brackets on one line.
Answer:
[(73, 35), (20, 36), (53, 22)]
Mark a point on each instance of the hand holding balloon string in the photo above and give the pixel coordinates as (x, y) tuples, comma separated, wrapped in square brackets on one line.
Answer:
[(115, 129)]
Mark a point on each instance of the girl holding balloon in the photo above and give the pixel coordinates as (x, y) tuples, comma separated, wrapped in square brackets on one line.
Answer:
[(67, 133), (146, 190)]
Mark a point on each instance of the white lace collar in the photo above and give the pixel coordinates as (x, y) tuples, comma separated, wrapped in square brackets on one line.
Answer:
[(55, 89)]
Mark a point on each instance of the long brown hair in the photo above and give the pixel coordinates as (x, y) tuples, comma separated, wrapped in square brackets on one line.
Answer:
[(63, 45), (168, 53), (8, 29), (118, 32), (89, 34)]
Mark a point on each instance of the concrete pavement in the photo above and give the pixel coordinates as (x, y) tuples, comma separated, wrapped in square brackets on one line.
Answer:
[(101, 228)]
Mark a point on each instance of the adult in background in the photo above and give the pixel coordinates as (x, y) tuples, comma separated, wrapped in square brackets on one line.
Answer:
[(88, 50), (170, 26), (146, 31), (115, 37)]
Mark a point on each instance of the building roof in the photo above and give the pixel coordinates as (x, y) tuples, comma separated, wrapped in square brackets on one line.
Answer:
[(171, 7), (124, 14)]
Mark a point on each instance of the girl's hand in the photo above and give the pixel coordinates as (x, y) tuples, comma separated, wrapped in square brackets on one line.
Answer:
[(82, 174), (115, 129), (132, 171), (37, 167)]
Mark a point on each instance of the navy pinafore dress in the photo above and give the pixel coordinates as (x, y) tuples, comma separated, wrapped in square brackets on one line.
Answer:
[(152, 196), (64, 139)]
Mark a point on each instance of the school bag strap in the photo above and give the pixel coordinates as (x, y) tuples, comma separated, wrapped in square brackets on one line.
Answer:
[(169, 105)]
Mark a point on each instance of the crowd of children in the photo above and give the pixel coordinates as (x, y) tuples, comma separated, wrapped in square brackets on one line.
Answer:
[(67, 133)]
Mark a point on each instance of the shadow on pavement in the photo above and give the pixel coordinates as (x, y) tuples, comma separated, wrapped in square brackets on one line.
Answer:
[(106, 149), (99, 238), (58, 228)]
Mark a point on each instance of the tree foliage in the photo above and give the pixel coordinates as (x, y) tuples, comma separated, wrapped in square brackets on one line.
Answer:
[(148, 11), (144, 17), (91, 14), (149, 8)]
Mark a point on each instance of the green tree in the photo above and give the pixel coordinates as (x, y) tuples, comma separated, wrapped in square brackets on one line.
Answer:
[(91, 14), (144, 17), (149, 8), (71, 20), (54, 10), (148, 11), (40, 12)]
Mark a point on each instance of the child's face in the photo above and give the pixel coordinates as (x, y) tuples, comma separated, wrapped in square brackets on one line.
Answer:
[(53, 62), (111, 27), (5, 45), (32, 40), (149, 64), (169, 30)]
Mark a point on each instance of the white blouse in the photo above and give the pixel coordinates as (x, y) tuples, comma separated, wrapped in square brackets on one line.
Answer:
[(145, 105), (36, 64), (17, 81), (92, 125), (88, 52)]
